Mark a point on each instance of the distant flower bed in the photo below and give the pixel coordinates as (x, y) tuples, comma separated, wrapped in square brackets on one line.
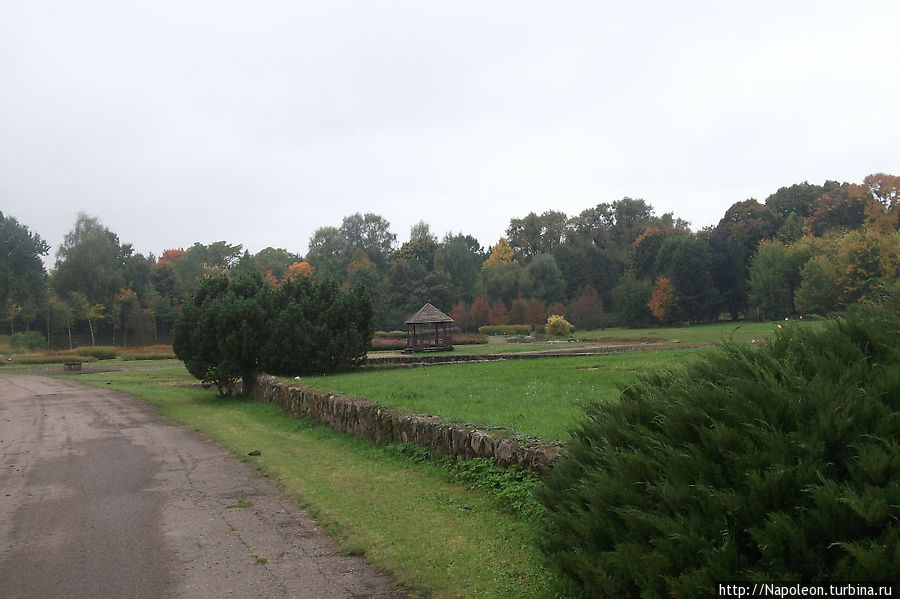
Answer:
[(380, 343), (384, 342), (469, 338)]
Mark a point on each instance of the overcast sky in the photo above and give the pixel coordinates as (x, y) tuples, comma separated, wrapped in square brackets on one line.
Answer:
[(257, 122)]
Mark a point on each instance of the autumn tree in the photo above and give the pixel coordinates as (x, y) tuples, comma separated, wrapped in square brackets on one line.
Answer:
[(586, 312), (884, 188), (498, 313), (646, 248), (884, 214), (662, 302), (795, 199), (461, 316), (842, 208), (300, 269), (518, 311), (480, 312), (275, 260), (162, 272), (537, 313), (501, 253)]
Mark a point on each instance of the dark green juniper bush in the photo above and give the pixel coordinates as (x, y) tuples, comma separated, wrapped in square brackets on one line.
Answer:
[(779, 462)]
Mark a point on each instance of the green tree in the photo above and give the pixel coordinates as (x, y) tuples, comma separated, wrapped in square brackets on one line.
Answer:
[(817, 291), (90, 260), (533, 234), (630, 301), (774, 278), (795, 199), (420, 248), (328, 253), (275, 260), (201, 260), (372, 234), (549, 285), (221, 332), (506, 281), (734, 242), (461, 257), (317, 328), (22, 275), (686, 261)]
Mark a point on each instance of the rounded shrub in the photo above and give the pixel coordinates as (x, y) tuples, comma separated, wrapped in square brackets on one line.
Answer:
[(773, 463), (558, 326)]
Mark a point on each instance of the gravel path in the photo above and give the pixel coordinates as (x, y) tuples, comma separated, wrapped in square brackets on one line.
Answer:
[(101, 497)]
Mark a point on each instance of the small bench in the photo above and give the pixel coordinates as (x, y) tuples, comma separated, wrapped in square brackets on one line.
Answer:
[(72, 365)]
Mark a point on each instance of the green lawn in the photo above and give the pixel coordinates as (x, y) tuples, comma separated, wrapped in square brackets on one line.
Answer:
[(112, 365), (540, 397), (438, 538), (721, 332)]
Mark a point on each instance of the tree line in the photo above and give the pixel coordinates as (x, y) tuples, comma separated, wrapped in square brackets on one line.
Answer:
[(806, 249)]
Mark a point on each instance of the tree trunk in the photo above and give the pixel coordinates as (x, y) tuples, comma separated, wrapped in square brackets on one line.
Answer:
[(248, 383), (91, 327)]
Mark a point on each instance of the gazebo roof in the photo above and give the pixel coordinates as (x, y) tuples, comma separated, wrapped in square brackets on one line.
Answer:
[(428, 314)]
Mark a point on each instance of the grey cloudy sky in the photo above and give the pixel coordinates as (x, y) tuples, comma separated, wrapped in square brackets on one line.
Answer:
[(258, 122)]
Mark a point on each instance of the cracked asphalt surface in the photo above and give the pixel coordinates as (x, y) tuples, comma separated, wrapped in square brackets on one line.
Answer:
[(101, 497)]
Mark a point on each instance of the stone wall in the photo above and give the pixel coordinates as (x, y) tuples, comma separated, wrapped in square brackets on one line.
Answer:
[(363, 418)]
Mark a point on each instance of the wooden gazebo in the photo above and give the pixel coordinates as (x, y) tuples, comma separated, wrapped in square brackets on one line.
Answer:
[(428, 330)]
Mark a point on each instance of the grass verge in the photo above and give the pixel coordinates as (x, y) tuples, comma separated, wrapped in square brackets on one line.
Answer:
[(414, 518)]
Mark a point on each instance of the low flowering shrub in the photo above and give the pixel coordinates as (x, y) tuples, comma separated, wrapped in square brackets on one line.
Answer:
[(558, 326), (382, 344), (469, 338)]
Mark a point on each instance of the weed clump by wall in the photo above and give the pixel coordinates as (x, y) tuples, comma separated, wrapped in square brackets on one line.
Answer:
[(779, 463)]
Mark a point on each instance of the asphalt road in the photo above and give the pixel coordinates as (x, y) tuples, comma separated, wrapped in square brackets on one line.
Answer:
[(100, 497)]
